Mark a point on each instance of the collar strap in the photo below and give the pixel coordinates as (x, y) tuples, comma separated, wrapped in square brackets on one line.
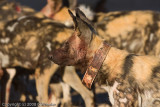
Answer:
[(95, 65)]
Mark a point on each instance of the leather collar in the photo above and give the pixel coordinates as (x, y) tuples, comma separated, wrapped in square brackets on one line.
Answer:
[(96, 63)]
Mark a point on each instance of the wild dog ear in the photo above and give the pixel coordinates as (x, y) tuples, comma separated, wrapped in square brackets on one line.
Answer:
[(55, 5), (84, 31), (72, 4), (74, 18), (82, 16), (85, 26)]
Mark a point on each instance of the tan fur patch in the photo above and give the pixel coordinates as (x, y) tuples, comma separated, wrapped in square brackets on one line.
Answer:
[(96, 40), (32, 43), (60, 36), (63, 12), (142, 69), (114, 60), (122, 24), (39, 15)]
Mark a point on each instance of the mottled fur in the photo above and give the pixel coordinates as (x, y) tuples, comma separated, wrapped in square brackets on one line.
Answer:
[(135, 31), (12, 10), (9, 11), (26, 42), (132, 80)]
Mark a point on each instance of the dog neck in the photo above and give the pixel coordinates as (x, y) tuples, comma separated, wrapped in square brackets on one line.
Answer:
[(95, 63), (112, 63), (95, 44), (112, 66)]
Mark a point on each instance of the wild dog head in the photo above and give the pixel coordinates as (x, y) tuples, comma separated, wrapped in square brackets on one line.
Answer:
[(58, 11), (76, 49)]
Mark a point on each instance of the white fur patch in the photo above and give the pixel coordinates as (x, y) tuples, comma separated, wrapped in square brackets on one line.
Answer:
[(110, 91), (4, 59), (25, 23), (36, 57), (68, 23), (145, 99), (11, 28), (139, 99), (123, 100), (48, 45), (4, 40), (22, 17), (135, 44), (11, 72), (151, 37), (124, 44), (88, 12), (27, 64)]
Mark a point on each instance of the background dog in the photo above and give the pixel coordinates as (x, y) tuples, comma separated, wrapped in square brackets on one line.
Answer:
[(135, 31)]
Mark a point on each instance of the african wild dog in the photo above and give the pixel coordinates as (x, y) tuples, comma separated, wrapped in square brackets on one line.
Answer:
[(26, 41), (132, 80)]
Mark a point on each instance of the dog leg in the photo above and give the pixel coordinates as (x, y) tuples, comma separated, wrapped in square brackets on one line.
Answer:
[(71, 78), (1, 75), (7, 78), (11, 72), (56, 92), (42, 82), (66, 102), (1, 71), (4, 80)]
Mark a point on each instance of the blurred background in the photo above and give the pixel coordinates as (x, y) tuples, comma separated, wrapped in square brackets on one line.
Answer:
[(110, 5)]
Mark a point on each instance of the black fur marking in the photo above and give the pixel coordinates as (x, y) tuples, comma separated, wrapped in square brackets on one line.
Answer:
[(112, 16), (101, 26), (43, 34), (131, 79), (127, 65), (152, 28), (155, 78), (102, 77), (156, 70)]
